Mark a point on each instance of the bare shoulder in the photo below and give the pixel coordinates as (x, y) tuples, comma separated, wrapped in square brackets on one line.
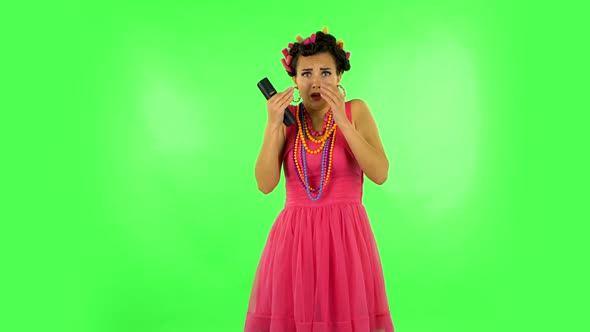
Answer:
[(359, 111), (364, 123)]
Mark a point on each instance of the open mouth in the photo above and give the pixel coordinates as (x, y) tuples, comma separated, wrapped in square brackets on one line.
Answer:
[(316, 96)]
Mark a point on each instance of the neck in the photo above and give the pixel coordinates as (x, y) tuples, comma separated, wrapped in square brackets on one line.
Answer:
[(317, 113)]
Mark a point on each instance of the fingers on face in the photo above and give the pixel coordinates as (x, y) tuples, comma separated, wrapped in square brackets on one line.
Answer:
[(329, 97), (331, 88), (329, 92)]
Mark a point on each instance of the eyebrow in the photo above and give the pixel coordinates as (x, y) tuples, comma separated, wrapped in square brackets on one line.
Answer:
[(310, 69)]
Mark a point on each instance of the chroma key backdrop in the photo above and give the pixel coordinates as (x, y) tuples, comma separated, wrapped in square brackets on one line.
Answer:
[(131, 132)]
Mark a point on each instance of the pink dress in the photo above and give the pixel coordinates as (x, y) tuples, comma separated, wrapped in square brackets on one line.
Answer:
[(320, 269)]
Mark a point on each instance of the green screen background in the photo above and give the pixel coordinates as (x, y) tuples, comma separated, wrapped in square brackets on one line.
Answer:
[(131, 132)]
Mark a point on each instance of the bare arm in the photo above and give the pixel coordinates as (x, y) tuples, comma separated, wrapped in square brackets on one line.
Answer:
[(268, 165), (365, 144)]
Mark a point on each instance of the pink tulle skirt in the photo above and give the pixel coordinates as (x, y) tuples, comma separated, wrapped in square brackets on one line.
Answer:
[(320, 271)]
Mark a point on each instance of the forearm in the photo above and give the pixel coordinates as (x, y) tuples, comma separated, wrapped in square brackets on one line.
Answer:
[(373, 163), (268, 165)]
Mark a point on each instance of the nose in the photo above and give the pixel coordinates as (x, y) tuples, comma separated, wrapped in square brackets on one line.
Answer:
[(315, 83)]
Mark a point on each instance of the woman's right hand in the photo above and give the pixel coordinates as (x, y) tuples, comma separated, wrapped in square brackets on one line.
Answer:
[(276, 106)]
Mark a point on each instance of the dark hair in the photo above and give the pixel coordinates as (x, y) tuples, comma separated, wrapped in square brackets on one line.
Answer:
[(323, 43)]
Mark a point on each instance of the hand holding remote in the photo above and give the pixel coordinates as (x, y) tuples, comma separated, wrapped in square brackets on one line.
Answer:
[(277, 104)]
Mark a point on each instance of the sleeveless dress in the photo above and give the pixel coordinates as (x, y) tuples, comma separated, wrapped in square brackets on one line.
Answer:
[(320, 269)]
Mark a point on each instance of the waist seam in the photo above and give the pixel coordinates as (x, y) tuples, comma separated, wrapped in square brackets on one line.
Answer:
[(311, 204)]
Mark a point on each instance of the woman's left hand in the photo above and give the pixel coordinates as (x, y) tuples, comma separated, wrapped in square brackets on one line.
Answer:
[(335, 99)]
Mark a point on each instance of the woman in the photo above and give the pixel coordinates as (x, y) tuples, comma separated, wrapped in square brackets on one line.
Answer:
[(320, 269)]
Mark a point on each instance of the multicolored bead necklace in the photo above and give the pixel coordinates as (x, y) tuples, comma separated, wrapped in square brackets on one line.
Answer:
[(328, 139)]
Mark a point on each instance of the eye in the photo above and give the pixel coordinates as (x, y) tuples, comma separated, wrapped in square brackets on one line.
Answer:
[(306, 74), (326, 73)]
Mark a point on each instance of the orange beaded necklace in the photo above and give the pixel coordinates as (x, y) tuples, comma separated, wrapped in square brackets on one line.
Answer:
[(329, 135)]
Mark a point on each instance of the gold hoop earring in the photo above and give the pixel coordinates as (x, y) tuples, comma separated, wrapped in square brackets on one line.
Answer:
[(299, 97), (343, 91)]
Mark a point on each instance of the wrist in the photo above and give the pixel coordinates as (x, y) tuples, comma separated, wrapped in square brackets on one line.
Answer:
[(344, 125), (273, 129)]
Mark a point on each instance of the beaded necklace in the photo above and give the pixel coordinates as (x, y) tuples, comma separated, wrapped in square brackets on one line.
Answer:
[(328, 140), (327, 118)]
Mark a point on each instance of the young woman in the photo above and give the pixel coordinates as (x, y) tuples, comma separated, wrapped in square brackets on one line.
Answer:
[(320, 269)]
